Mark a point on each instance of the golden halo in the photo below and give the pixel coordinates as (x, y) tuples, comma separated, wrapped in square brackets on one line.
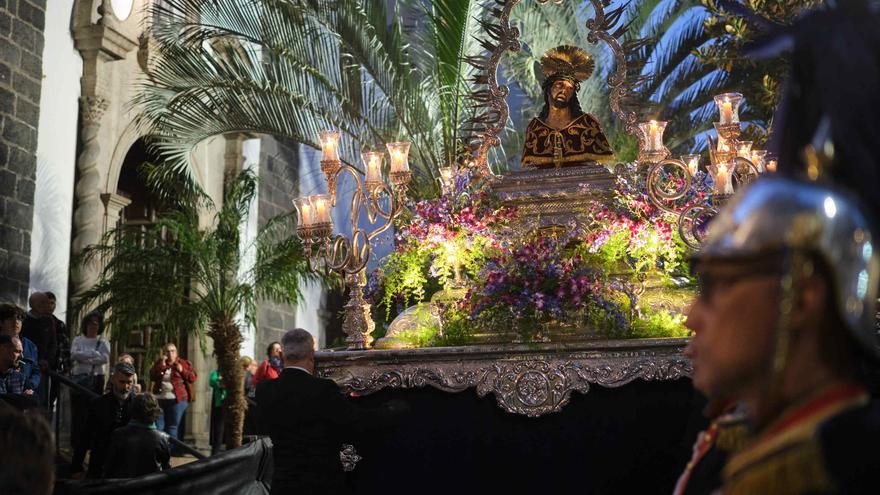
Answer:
[(569, 62)]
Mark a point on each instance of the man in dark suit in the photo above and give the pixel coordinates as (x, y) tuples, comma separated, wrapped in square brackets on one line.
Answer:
[(308, 419)]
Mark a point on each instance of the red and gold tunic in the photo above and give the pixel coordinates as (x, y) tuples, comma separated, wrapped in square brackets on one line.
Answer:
[(799, 453), (580, 142)]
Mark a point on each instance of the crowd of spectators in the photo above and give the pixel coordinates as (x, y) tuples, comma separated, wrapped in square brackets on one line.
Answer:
[(115, 430)]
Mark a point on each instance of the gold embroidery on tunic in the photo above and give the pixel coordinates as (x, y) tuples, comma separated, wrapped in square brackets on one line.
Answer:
[(580, 141)]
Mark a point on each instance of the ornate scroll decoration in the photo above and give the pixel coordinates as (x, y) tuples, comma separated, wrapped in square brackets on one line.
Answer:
[(490, 102), (490, 98), (600, 28), (349, 457), (522, 383)]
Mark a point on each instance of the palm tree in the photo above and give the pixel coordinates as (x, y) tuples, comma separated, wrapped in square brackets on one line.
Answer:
[(181, 279), (291, 68), (676, 85)]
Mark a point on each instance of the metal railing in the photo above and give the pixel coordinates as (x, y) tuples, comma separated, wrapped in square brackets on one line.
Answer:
[(88, 393)]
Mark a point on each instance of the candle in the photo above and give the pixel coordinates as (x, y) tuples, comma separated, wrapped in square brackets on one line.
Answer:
[(692, 162), (321, 204), (329, 145), (306, 213), (723, 184), (726, 112), (744, 149), (728, 107), (446, 174), (722, 144), (399, 152), (652, 133), (771, 165), (758, 159), (373, 166)]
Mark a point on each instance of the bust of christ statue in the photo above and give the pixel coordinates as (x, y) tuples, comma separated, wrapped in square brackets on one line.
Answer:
[(563, 135)]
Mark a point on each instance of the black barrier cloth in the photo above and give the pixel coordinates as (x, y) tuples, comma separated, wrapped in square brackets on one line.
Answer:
[(246, 470), (632, 439)]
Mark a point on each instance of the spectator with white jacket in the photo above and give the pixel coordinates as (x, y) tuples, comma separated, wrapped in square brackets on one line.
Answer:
[(89, 354)]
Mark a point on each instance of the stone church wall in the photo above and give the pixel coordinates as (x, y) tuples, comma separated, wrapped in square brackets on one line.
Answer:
[(21, 47), (279, 173)]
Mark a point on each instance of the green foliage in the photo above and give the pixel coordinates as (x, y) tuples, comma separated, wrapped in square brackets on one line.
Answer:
[(180, 278), (625, 145), (291, 68), (659, 323), (759, 80), (405, 278), (412, 275)]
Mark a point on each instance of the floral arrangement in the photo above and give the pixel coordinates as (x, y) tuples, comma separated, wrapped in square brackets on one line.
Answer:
[(593, 278), (545, 281), (443, 243), (628, 232)]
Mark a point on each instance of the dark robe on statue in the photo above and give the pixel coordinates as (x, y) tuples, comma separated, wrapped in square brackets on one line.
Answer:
[(580, 142)]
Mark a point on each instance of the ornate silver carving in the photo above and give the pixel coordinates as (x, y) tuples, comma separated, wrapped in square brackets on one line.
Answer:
[(553, 197), (600, 29), (494, 98), (530, 380), (349, 457)]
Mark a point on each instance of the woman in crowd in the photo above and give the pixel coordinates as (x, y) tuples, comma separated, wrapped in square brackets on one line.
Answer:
[(89, 355), (138, 448), (250, 392), (272, 366), (172, 378)]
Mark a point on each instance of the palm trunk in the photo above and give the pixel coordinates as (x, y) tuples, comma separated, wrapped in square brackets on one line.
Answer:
[(227, 341)]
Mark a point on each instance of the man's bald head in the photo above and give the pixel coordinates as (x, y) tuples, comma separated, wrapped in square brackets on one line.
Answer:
[(39, 302)]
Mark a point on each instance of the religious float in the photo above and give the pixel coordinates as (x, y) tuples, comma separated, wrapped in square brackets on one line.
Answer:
[(565, 275)]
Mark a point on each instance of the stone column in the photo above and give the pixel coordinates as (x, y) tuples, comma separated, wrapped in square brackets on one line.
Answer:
[(198, 417), (89, 207), (100, 44)]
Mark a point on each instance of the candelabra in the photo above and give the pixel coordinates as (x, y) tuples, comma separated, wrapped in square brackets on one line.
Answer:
[(349, 255), (673, 183)]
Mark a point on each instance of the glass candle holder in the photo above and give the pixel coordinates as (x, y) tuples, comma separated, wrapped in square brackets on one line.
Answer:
[(652, 135), (373, 167), (321, 206), (446, 174), (692, 162), (744, 149), (329, 145), (399, 152), (757, 158), (728, 107), (723, 183), (305, 212), (770, 162)]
